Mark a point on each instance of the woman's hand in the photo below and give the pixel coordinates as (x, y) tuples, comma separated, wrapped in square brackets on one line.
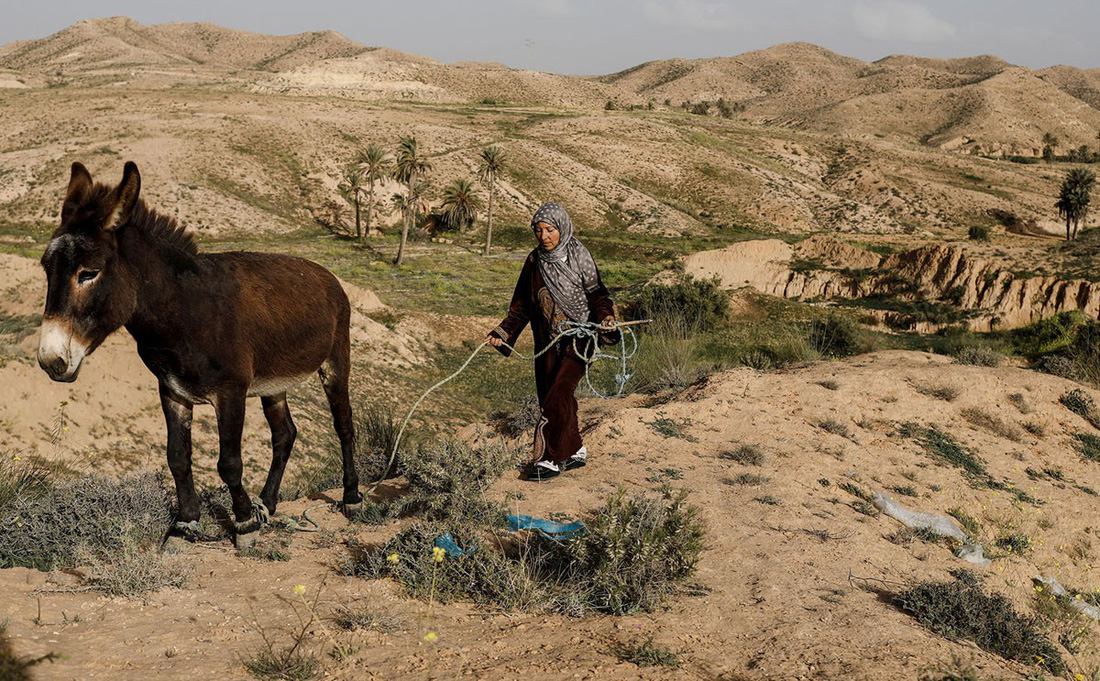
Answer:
[(493, 340), (608, 322)]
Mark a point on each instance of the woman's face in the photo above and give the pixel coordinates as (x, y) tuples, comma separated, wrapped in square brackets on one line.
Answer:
[(548, 236)]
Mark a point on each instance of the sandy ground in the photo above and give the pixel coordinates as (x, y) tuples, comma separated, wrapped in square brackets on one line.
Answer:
[(782, 606)]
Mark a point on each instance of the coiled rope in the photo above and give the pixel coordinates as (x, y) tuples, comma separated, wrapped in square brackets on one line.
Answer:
[(578, 333)]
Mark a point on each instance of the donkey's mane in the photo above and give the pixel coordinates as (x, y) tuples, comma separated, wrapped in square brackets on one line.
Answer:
[(159, 229), (163, 229)]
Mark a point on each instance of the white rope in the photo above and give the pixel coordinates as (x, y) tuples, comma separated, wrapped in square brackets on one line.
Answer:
[(578, 331)]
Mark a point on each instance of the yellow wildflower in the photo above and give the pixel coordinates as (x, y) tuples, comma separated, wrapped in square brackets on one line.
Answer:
[(300, 589), (431, 637), (393, 558), (438, 554)]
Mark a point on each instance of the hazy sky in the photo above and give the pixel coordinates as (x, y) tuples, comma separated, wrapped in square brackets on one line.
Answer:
[(603, 36)]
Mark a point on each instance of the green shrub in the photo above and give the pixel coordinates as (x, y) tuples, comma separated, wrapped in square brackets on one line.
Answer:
[(1085, 352), (668, 361), (960, 609), (1081, 403), (1046, 336), (837, 336), (91, 517), (1088, 445), (1058, 365), (447, 480), (684, 307), (979, 356), (763, 346), (635, 553), (978, 233)]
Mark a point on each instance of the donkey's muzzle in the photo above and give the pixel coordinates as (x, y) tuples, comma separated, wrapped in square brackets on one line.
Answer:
[(59, 354)]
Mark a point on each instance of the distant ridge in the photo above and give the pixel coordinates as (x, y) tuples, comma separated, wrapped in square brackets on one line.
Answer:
[(980, 104), (99, 44)]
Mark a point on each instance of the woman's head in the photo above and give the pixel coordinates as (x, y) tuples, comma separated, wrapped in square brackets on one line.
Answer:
[(552, 226), (547, 235)]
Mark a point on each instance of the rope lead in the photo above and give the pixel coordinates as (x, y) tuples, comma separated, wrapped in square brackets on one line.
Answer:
[(578, 332)]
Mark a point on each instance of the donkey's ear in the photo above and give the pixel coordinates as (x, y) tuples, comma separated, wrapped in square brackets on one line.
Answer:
[(80, 181), (124, 198)]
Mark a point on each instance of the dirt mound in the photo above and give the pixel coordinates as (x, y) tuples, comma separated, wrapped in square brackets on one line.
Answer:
[(822, 268), (786, 533)]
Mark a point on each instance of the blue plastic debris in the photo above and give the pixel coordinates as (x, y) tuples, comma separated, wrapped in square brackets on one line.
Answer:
[(547, 528), (446, 542)]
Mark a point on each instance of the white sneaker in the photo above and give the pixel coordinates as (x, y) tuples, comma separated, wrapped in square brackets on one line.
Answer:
[(578, 460), (544, 470)]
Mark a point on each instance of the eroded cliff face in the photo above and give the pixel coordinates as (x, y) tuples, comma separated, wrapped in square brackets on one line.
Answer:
[(823, 268)]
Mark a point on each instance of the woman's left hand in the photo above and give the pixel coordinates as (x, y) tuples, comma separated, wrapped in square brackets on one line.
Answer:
[(608, 322)]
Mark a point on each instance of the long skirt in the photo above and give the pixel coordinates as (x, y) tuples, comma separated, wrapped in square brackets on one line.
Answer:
[(557, 436)]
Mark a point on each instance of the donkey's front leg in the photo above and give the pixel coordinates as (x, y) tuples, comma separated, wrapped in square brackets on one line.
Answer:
[(230, 412), (177, 415)]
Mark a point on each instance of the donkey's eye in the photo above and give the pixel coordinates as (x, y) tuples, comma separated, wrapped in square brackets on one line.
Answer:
[(84, 276)]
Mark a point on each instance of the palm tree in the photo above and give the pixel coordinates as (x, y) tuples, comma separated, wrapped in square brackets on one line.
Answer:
[(460, 204), (408, 168), (489, 171), (412, 202), (1049, 142), (1073, 199), (351, 188), (376, 166)]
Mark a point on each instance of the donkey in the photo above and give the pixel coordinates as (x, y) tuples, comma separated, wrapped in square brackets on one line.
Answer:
[(213, 328)]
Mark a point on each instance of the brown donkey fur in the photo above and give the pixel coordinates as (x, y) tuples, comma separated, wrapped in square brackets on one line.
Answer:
[(212, 327)]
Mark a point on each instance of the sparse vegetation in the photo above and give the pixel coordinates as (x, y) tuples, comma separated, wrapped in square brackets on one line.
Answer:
[(749, 479), (947, 393), (979, 356), (983, 419), (1082, 404), (960, 609), (648, 654), (979, 233), (831, 425), (354, 618), (635, 553), (49, 529), (748, 455), (1088, 445)]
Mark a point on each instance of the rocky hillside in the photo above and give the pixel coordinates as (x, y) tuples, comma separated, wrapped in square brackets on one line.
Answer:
[(821, 268), (122, 44), (980, 104)]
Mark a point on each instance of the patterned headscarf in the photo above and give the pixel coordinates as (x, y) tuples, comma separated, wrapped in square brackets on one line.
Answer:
[(568, 270)]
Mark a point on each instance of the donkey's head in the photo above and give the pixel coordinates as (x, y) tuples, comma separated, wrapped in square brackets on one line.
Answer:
[(91, 291)]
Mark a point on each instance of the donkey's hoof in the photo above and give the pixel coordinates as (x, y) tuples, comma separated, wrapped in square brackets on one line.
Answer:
[(247, 541), (351, 509)]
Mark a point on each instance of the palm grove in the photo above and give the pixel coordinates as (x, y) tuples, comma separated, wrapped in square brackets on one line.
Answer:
[(460, 202)]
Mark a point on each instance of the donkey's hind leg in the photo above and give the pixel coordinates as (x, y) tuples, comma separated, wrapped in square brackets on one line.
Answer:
[(283, 434), (335, 373)]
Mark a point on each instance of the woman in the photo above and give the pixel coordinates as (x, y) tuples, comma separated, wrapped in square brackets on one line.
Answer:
[(559, 282)]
